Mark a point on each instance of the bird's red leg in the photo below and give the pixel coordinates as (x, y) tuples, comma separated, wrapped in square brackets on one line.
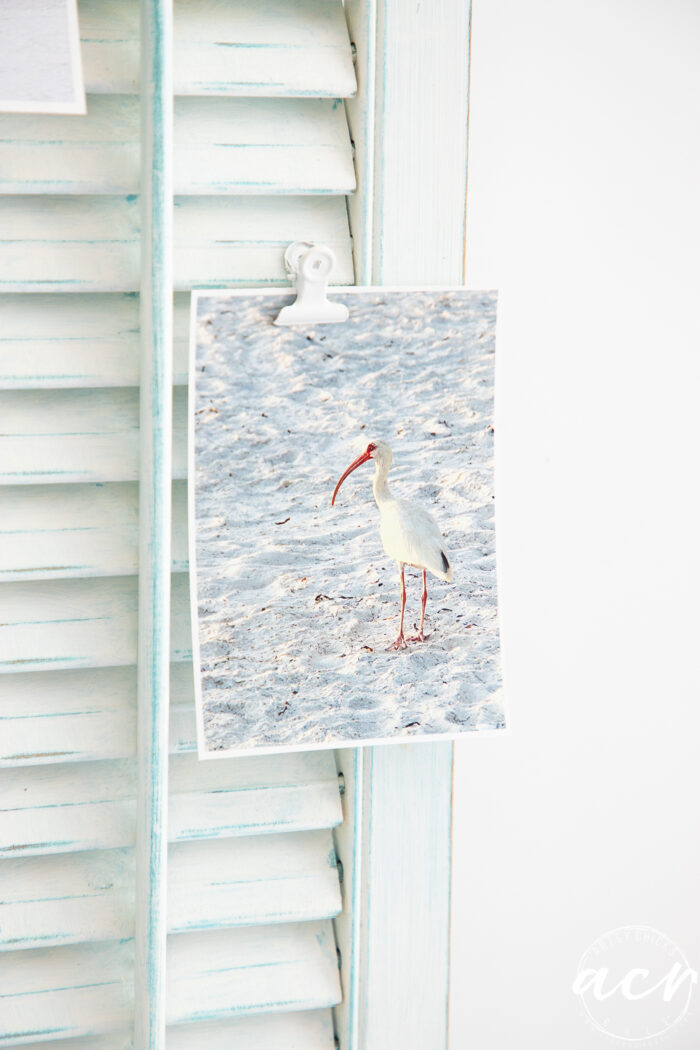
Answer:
[(400, 642), (420, 637)]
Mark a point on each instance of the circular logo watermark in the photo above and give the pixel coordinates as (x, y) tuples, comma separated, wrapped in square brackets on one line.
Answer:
[(634, 984)]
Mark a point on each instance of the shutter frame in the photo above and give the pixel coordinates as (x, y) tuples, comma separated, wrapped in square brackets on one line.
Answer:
[(74, 270)]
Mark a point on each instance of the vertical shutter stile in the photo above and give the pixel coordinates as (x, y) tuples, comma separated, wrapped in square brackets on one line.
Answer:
[(262, 157), (410, 123), (155, 523)]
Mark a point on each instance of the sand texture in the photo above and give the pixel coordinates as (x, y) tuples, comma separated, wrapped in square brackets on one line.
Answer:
[(296, 600)]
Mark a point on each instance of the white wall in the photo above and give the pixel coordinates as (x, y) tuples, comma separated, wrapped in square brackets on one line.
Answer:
[(584, 210)]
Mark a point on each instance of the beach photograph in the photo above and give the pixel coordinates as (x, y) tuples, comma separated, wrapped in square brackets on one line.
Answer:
[(342, 544)]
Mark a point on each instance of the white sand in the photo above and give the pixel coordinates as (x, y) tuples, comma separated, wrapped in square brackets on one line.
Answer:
[(297, 600)]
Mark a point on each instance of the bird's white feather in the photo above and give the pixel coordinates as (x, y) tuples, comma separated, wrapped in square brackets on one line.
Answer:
[(411, 536)]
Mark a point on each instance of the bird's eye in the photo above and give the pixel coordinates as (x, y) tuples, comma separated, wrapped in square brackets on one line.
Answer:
[(371, 448)]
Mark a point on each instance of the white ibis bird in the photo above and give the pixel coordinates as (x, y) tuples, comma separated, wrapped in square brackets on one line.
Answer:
[(409, 534)]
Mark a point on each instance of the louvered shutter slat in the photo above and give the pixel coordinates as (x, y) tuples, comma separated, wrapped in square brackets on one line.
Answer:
[(50, 531), (290, 1031), (73, 341), (60, 992), (276, 48), (80, 623), (302, 1030), (84, 715), (296, 792), (79, 244), (250, 881), (94, 153), (67, 807), (75, 716), (54, 900), (222, 146), (79, 897), (90, 987), (241, 240), (78, 435), (286, 968), (261, 146), (69, 244)]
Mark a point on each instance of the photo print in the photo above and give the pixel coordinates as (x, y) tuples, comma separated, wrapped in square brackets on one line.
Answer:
[(341, 504), (40, 59)]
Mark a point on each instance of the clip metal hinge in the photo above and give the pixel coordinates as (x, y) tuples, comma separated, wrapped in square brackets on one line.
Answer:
[(309, 266)]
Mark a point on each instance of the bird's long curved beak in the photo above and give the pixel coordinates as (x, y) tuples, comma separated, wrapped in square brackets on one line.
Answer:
[(353, 466)]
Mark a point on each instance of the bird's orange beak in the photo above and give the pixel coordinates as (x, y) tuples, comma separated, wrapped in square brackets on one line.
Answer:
[(353, 466)]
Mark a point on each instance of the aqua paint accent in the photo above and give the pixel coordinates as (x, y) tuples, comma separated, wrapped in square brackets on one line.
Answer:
[(156, 304)]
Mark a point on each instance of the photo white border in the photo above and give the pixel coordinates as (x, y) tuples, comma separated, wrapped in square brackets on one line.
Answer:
[(428, 738)]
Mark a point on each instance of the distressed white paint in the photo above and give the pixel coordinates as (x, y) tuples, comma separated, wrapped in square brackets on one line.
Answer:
[(262, 146), (92, 986), (80, 623), (405, 907), (247, 48), (79, 341), (222, 145), (241, 240), (95, 153), (79, 244), (348, 838), (420, 159), (49, 532), (84, 715), (78, 435), (155, 524), (362, 18), (61, 992), (303, 1029), (47, 901), (71, 807), (69, 244), (283, 968), (77, 715), (109, 34), (299, 48), (68, 711), (253, 880), (50, 809), (297, 792), (69, 899), (68, 623), (68, 341), (400, 935)]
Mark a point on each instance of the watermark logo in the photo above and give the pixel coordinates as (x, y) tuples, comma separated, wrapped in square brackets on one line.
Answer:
[(634, 984)]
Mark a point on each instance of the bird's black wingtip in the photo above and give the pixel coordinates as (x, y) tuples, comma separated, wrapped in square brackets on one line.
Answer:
[(445, 563)]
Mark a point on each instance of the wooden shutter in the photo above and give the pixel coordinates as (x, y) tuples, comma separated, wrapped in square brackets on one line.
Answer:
[(262, 157)]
